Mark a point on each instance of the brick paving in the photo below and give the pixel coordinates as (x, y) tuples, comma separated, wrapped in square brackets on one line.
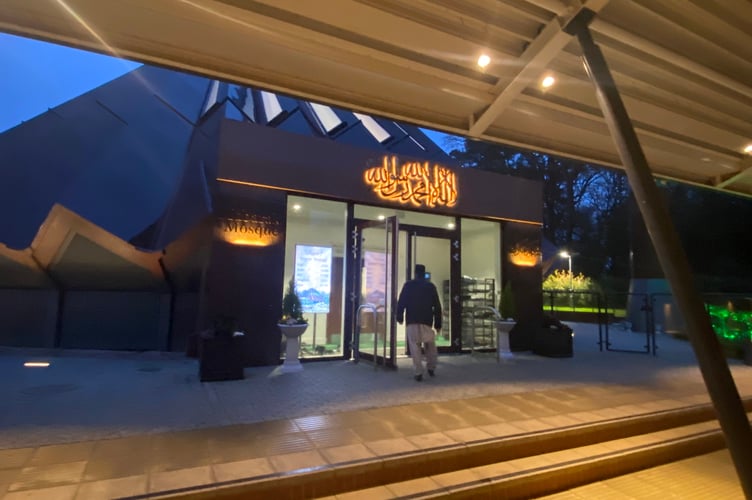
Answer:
[(103, 425)]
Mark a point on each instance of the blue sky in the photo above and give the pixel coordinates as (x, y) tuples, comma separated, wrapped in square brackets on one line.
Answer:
[(39, 75)]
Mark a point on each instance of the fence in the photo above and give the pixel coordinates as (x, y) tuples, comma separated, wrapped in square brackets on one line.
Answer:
[(616, 313)]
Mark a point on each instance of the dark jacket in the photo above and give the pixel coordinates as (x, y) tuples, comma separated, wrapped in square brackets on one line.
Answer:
[(420, 298)]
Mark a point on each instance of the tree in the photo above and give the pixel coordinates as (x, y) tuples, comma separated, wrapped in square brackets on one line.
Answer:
[(578, 198)]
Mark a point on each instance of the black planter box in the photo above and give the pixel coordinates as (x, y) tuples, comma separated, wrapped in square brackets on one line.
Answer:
[(554, 342), (220, 358)]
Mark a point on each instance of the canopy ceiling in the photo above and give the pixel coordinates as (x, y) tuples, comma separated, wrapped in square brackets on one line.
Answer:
[(683, 67)]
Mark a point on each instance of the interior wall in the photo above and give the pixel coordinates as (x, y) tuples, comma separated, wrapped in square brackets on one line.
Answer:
[(481, 252), (434, 254)]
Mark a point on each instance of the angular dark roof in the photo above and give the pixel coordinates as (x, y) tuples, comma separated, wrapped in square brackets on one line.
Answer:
[(121, 154)]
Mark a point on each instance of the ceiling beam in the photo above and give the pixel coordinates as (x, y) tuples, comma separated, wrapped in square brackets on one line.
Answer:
[(534, 60), (745, 168), (621, 35)]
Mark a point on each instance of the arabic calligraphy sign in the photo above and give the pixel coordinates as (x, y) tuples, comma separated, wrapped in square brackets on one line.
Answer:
[(417, 183)]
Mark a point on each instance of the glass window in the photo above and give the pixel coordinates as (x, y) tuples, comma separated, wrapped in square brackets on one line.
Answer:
[(328, 118), (481, 279), (211, 97), (243, 99), (376, 130), (272, 107), (409, 217), (315, 258)]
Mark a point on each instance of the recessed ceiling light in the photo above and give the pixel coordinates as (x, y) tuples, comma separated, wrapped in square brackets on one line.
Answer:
[(484, 60), (548, 81), (450, 225), (382, 217), (296, 207), (748, 149)]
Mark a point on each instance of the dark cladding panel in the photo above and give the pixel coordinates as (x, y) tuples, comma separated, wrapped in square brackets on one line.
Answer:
[(267, 157), (521, 246), (244, 277), (113, 155), (114, 320), (357, 135)]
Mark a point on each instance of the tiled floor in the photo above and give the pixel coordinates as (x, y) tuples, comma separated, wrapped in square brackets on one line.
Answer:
[(705, 477), (98, 453), (158, 462)]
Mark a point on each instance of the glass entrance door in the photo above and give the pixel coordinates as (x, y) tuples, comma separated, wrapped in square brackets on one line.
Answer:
[(432, 248), (375, 291)]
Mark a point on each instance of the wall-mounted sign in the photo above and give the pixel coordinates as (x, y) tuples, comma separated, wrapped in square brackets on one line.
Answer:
[(417, 183), (249, 230), (313, 277)]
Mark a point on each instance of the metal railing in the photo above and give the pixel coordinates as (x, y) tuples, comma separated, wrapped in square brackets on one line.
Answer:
[(358, 324), (567, 305)]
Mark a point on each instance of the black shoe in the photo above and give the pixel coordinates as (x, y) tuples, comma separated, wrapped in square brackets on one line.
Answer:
[(419, 378), (431, 373)]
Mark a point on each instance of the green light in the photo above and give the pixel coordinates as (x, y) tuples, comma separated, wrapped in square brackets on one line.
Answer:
[(729, 325)]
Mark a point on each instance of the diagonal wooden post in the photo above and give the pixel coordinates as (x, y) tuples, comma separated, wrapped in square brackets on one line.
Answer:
[(713, 366)]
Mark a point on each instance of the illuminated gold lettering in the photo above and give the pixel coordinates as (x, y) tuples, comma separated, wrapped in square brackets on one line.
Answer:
[(413, 183), (250, 230)]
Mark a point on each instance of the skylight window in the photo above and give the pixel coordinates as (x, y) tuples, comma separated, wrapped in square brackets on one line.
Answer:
[(243, 99), (377, 131), (211, 97), (272, 107), (328, 118)]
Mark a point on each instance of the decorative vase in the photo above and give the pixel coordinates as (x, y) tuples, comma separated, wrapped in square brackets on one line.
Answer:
[(292, 334)]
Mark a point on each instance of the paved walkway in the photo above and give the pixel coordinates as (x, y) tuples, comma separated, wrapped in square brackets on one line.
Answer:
[(103, 425)]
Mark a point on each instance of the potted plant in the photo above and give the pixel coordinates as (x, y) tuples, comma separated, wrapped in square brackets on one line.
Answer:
[(292, 310), (507, 307), (292, 324)]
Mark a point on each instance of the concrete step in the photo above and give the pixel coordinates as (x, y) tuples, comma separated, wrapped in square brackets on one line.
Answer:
[(549, 473), (519, 465)]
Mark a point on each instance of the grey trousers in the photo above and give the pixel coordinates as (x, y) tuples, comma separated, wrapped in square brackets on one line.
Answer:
[(418, 334)]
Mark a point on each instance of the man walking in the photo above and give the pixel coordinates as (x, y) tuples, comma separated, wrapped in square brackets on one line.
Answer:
[(421, 300)]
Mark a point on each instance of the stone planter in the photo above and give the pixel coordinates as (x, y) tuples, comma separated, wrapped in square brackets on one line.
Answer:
[(292, 335), (503, 351)]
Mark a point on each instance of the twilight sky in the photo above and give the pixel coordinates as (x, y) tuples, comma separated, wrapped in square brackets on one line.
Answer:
[(39, 75)]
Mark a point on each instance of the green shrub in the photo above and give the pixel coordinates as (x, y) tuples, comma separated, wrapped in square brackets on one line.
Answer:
[(561, 281), (507, 306)]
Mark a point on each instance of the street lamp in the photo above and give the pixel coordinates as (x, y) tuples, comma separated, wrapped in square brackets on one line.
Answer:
[(567, 255)]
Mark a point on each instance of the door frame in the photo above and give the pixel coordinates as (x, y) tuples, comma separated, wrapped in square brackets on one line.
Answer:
[(353, 284), (455, 274)]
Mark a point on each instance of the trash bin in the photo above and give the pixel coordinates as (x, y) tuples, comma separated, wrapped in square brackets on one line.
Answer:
[(748, 352)]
